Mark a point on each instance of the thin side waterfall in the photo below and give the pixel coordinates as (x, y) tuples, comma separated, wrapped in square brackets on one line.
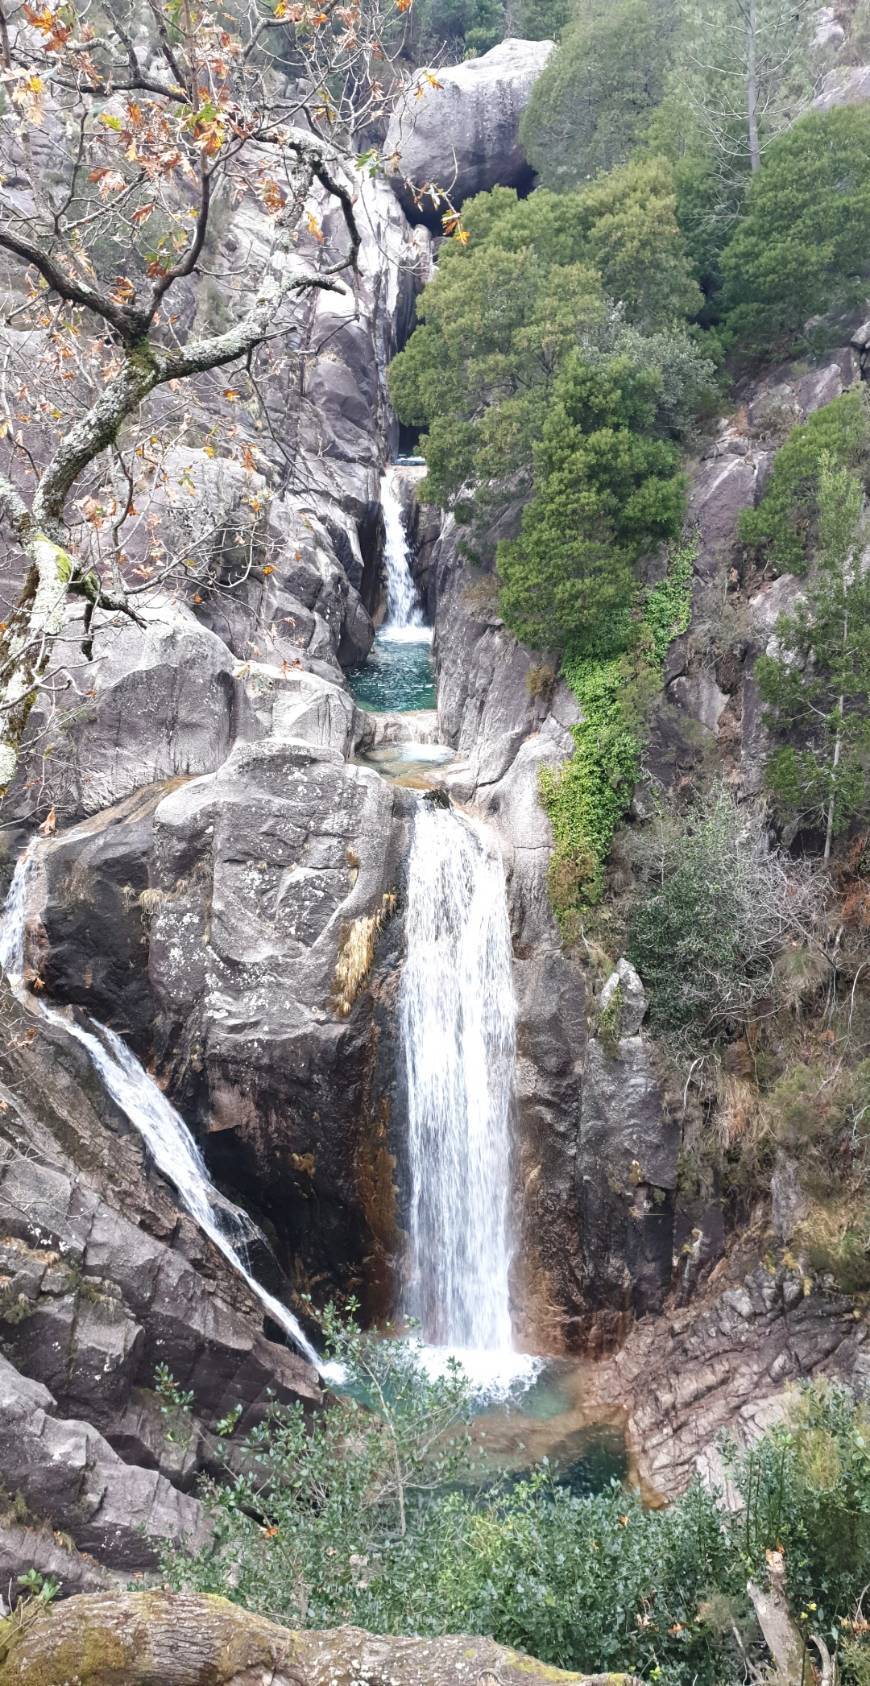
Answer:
[(404, 614), (163, 1130), (458, 1029)]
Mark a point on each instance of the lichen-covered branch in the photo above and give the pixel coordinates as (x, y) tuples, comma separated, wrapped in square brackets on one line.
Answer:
[(178, 1639)]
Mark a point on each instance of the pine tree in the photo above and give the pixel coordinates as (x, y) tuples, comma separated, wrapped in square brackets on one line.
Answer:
[(817, 684)]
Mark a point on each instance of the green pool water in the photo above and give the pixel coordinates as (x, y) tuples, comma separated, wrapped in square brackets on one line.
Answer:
[(398, 676)]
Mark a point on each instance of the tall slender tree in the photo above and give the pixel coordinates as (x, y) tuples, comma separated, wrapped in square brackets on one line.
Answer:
[(817, 683)]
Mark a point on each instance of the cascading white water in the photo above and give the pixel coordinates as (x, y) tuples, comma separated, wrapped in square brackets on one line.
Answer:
[(162, 1129), (404, 620), (458, 1029)]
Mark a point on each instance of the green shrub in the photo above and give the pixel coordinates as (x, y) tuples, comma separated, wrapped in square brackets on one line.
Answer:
[(374, 1514), (709, 923), (784, 529), (806, 1489), (800, 248), (530, 289), (604, 493)]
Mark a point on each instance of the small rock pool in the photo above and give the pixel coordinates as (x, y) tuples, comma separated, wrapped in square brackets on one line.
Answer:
[(398, 677)]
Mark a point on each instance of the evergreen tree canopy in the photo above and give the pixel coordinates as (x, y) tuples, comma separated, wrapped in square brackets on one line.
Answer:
[(604, 491), (589, 106), (802, 245), (538, 278)]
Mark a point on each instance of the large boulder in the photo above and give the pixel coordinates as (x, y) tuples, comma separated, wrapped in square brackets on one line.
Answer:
[(460, 129), (270, 884), (181, 1639), (66, 1472)]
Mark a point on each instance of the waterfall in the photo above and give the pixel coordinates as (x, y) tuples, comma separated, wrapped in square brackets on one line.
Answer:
[(404, 615), (458, 1030), (163, 1130)]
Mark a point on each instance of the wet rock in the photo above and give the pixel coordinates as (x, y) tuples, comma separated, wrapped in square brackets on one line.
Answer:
[(102, 1278), (626, 1177), (463, 133), (260, 875)]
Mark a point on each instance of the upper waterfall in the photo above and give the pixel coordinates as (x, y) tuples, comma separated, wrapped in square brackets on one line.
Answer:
[(404, 613), (162, 1128), (458, 1030)]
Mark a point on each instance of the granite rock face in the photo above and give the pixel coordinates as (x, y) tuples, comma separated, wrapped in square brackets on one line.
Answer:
[(463, 131), (725, 1363), (102, 1279)]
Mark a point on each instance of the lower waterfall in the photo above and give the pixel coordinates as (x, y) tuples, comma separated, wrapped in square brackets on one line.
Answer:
[(163, 1130), (458, 1031)]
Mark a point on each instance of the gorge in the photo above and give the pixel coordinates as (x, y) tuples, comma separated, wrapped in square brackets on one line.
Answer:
[(434, 1006)]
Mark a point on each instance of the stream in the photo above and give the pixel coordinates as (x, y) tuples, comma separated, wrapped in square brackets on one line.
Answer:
[(456, 1020)]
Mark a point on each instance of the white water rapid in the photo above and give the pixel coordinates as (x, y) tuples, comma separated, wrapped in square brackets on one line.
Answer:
[(404, 622), (458, 1030), (162, 1129)]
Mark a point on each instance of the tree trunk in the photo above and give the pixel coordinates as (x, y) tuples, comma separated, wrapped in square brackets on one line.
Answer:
[(182, 1639), (752, 85), (27, 644)]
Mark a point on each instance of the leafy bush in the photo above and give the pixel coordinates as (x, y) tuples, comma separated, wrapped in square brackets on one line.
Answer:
[(806, 1490), (505, 311), (716, 911), (801, 245), (375, 1514), (784, 529)]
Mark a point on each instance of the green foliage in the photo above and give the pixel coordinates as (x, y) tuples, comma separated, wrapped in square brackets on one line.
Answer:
[(587, 796), (176, 1406), (540, 20), (817, 685), (459, 28), (323, 1503), (496, 322), (504, 312), (627, 222), (806, 1489), (800, 247), (710, 922), (589, 106), (603, 494), (784, 529), (374, 1514)]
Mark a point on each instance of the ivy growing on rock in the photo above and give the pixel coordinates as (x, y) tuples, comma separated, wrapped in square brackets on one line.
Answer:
[(587, 796)]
